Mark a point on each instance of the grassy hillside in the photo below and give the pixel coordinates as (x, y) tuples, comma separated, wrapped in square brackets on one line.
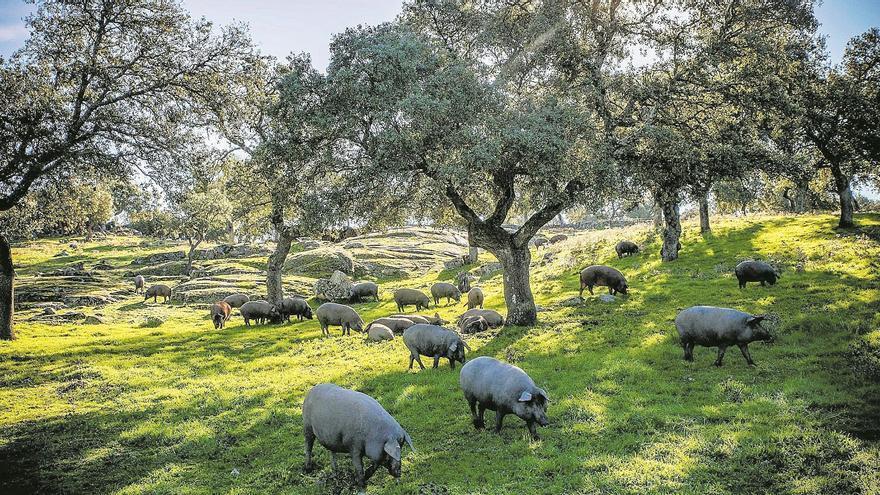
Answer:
[(180, 408)]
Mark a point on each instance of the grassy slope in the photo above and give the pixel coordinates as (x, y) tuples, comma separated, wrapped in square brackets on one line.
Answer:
[(178, 408)]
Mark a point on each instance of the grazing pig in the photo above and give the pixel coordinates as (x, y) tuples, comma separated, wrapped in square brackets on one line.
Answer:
[(397, 325), (158, 290), (488, 383), (709, 326), (436, 341), (139, 283), (364, 289), (353, 423), (602, 275), (295, 306), (442, 289), (475, 298), (339, 314), (473, 324), (558, 238), (260, 312), (411, 297), (539, 241), (377, 332), (236, 300), (492, 317), (755, 271), (625, 248), (220, 312)]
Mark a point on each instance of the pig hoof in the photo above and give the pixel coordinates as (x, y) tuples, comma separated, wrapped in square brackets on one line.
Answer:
[(479, 424)]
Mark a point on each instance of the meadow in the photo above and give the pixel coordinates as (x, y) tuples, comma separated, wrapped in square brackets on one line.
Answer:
[(122, 407)]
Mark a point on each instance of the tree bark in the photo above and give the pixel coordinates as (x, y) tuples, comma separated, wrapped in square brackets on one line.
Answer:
[(671, 228), (844, 191), (705, 228), (518, 296), (275, 267), (473, 254), (658, 215), (7, 292)]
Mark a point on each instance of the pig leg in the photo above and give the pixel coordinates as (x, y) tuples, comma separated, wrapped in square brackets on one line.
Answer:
[(689, 351), (472, 402), (451, 363), (721, 350), (310, 443), (533, 430), (746, 354), (580, 294), (436, 361), (590, 287), (358, 463), (763, 284), (419, 360), (479, 422), (499, 419)]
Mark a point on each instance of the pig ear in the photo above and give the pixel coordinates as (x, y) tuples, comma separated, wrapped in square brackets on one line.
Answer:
[(543, 394), (525, 396), (392, 448), (453, 347), (408, 441), (754, 320)]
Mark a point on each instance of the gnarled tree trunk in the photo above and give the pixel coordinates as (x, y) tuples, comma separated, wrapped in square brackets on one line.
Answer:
[(473, 254), (705, 228), (7, 293), (518, 296), (671, 227), (275, 267), (844, 191)]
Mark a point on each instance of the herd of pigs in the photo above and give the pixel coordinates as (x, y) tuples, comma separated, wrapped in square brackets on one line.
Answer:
[(347, 421)]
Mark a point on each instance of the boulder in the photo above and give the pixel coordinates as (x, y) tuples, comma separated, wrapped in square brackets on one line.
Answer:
[(607, 298), (61, 254), (93, 320), (335, 288), (489, 269), (310, 244), (572, 301), (354, 245), (457, 262), (320, 261), (48, 311)]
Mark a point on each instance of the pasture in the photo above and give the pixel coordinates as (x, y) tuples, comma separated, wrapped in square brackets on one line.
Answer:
[(127, 407)]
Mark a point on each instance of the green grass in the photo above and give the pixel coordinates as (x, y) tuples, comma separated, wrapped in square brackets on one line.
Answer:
[(181, 408)]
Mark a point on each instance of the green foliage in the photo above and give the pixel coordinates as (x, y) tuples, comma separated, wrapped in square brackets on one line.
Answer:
[(63, 206)]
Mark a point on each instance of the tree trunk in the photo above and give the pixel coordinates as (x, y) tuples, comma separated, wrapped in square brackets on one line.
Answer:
[(275, 291), (844, 191), (705, 228), (658, 215), (7, 293), (230, 232), (517, 286), (473, 254), (671, 229)]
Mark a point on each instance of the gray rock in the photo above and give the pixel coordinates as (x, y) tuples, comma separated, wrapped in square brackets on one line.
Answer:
[(607, 298), (93, 320), (335, 288), (572, 301), (48, 311), (159, 258), (489, 269)]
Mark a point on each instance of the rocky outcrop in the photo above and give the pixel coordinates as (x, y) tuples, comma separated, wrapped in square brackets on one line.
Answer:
[(335, 288)]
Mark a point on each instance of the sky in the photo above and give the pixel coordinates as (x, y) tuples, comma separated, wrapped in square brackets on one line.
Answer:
[(284, 26)]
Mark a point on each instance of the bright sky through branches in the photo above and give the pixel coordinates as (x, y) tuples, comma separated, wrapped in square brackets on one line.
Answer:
[(284, 26)]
